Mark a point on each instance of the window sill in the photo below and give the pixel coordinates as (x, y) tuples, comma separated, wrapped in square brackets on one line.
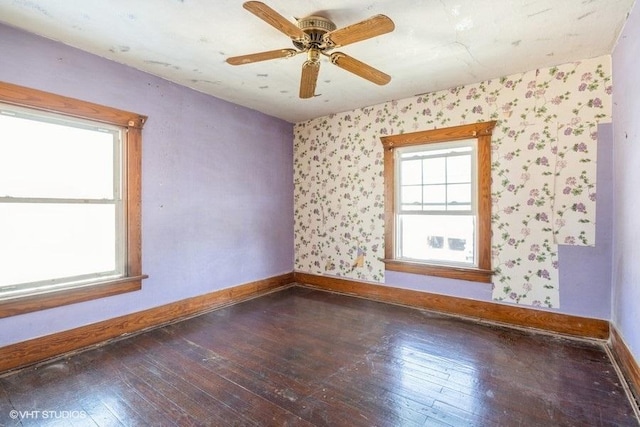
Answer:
[(27, 304), (450, 272)]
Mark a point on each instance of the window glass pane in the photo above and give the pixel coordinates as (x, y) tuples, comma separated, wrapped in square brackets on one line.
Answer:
[(459, 169), (48, 241), (411, 195), (459, 194), (49, 160), (438, 238), (434, 195), (434, 170), (411, 172)]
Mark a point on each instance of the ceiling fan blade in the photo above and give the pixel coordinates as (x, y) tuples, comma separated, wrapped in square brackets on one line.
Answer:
[(372, 27), (274, 19), (310, 70), (262, 56), (358, 68)]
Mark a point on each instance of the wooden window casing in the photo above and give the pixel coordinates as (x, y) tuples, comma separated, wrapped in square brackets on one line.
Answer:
[(482, 133), (132, 124)]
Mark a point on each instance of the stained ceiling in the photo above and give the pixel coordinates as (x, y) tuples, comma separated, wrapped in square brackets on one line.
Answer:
[(436, 44)]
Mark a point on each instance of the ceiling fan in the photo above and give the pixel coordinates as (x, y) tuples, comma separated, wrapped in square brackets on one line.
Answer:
[(316, 36)]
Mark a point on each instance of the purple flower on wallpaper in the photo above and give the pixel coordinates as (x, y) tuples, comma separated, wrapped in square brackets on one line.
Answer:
[(556, 100), (532, 256), (472, 93), (592, 197), (535, 248), (510, 263), (384, 131), (535, 136), (511, 187), (513, 295), (536, 303), (543, 273), (566, 190), (534, 192), (609, 90), (531, 84), (426, 112), (542, 216), (512, 241), (542, 161), (530, 202), (529, 94), (571, 180), (509, 83), (596, 103), (527, 286), (582, 87), (531, 146), (568, 131), (555, 264), (451, 106), (586, 77), (477, 109), (512, 133), (560, 75), (491, 99), (509, 156), (508, 210), (579, 207), (581, 147), (569, 240)]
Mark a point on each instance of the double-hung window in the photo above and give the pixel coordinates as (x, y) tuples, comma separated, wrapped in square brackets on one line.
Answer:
[(69, 200), (437, 197)]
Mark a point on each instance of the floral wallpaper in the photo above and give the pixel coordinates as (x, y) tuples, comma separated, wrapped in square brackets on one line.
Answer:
[(543, 175)]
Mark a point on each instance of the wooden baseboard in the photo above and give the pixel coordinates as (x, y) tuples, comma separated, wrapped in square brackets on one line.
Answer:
[(583, 327), (626, 361), (36, 350)]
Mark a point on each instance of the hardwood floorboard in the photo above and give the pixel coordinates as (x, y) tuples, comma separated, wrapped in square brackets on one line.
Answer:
[(304, 357)]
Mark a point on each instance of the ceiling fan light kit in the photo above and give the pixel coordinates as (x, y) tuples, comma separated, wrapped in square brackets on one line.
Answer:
[(316, 36)]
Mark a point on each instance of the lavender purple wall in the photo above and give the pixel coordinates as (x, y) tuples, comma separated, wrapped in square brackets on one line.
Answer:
[(217, 193), (626, 248)]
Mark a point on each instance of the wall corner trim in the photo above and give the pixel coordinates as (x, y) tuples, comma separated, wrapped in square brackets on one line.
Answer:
[(625, 360), (30, 352), (576, 326)]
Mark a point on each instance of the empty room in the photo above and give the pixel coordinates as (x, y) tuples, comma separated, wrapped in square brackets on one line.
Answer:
[(323, 213)]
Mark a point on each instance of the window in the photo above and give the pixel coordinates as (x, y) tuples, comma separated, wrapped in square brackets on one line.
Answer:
[(69, 200), (437, 202)]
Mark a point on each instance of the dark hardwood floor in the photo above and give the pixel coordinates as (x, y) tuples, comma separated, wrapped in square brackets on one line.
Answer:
[(305, 357)]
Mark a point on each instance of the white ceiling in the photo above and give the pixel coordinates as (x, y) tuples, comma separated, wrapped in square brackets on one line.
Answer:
[(437, 44)]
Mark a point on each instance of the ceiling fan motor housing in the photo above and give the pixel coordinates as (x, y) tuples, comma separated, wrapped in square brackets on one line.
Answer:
[(315, 27)]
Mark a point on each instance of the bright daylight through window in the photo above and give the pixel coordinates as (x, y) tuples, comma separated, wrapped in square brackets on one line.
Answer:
[(69, 200), (437, 202), (60, 201)]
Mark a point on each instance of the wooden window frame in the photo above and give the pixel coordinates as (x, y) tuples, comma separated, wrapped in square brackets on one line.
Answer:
[(132, 124), (482, 133)]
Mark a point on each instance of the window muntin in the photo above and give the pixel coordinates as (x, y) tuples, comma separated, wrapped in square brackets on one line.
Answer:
[(436, 203), (61, 202)]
